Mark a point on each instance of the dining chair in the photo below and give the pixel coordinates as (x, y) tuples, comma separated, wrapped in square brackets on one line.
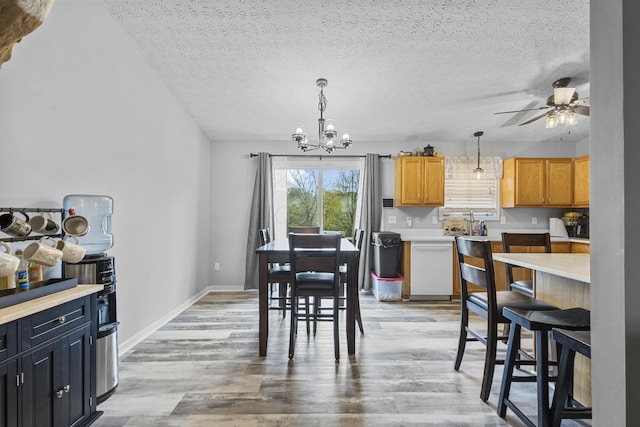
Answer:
[(278, 274), (304, 229), (315, 272), (521, 242), (476, 267)]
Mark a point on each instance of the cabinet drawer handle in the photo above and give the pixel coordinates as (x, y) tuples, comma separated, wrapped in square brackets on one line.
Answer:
[(62, 319)]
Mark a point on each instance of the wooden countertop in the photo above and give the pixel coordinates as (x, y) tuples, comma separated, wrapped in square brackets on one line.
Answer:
[(33, 306), (571, 266)]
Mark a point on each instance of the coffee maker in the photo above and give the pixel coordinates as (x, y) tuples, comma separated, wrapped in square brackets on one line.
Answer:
[(583, 227)]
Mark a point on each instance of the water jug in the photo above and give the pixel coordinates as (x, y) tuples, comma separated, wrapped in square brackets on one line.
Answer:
[(98, 210)]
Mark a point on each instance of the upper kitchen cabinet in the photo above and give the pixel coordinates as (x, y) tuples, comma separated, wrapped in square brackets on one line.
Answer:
[(581, 182), (419, 181), (537, 182)]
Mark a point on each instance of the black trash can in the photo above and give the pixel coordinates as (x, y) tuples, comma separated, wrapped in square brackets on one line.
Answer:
[(387, 247)]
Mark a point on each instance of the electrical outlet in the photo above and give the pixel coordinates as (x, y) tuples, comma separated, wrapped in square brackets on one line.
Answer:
[(216, 266), (391, 219), (503, 219), (416, 220), (434, 220), (408, 221), (534, 220)]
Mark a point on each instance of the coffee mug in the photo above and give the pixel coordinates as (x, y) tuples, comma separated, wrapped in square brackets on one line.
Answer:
[(14, 226), (42, 253), (44, 224), (71, 252), (8, 263), (76, 225)]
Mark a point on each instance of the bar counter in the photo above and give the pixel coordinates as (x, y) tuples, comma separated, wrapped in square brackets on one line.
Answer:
[(563, 280)]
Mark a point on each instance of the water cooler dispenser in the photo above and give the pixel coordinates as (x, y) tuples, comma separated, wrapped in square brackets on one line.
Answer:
[(98, 268)]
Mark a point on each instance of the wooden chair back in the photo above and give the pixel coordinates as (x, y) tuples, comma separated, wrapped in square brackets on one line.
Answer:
[(305, 229), (524, 242), (482, 275), (314, 253), (264, 236)]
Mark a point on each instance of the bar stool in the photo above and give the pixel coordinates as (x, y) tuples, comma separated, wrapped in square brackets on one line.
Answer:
[(540, 323), (572, 342)]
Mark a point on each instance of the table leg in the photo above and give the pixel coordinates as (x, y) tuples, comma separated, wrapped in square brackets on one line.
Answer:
[(352, 289), (263, 304)]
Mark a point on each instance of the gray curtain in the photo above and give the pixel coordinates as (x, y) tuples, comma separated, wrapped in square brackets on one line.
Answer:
[(370, 216), (261, 216)]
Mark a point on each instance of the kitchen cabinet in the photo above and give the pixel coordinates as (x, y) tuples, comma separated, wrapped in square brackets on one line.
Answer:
[(537, 182), (419, 181), (581, 182), (580, 248), (51, 380)]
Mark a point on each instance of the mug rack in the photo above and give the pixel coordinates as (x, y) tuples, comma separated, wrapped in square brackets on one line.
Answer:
[(36, 235)]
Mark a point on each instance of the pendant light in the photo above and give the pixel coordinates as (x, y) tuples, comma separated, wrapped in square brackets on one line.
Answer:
[(478, 171)]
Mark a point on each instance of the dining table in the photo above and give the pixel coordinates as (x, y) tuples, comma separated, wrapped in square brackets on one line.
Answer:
[(277, 251)]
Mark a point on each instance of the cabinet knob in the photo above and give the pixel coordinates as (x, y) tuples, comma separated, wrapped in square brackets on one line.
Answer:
[(62, 319), (66, 388), (59, 394)]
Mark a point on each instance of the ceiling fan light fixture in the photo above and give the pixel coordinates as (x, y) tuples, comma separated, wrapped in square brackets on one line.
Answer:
[(572, 119), (551, 121), (563, 95)]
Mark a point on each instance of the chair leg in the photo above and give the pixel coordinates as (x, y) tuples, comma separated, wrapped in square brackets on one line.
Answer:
[(489, 361), (565, 373), (293, 330), (358, 315), (462, 341), (336, 326), (509, 364), (542, 376), (282, 289), (307, 310)]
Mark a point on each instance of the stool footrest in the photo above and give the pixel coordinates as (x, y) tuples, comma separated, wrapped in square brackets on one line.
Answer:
[(519, 413)]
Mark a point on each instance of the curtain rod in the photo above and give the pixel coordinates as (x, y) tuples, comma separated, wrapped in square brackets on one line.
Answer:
[(385, 156)]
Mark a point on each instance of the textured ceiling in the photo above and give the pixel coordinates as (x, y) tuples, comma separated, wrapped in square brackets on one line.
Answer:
[(414, 70)]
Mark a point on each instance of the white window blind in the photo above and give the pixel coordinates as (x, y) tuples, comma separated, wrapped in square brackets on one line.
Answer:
[(464, 192)]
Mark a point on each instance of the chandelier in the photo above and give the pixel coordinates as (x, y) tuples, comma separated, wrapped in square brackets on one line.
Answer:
[(326, 135)]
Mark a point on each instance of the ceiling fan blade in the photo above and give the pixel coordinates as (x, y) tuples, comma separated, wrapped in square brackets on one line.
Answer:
[(563, 95), (519, 111), (581, 109), (534, 119)]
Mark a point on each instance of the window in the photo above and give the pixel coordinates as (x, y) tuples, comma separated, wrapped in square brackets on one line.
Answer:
[(316, 192), (464, 192)]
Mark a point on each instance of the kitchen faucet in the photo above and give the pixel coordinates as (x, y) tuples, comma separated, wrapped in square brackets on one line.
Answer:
[(470, 228)]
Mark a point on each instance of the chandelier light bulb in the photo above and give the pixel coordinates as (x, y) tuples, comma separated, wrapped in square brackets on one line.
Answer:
[(329, 127), (298, 131), (345, 137)]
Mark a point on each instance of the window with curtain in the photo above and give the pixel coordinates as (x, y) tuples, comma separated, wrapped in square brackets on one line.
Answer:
[(316, 192), (466, 192)]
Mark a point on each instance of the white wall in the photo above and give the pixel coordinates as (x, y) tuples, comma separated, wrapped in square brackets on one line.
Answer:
[(233, 174), (82, 112)]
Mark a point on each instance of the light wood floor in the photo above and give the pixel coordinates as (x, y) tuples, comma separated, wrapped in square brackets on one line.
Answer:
[(202, 369)]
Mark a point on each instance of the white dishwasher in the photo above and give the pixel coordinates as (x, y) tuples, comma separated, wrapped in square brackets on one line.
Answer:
[(431, 270)]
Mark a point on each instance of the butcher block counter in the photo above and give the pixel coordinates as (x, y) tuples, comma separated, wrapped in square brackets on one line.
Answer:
[(28, 308)]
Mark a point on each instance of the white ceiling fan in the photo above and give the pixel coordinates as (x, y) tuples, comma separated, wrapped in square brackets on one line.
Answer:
[(562, 107)]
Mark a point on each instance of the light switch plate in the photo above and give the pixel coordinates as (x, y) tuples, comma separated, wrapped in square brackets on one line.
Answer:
[(434, 220), (391, 219), (534, 220), (503, 219)]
